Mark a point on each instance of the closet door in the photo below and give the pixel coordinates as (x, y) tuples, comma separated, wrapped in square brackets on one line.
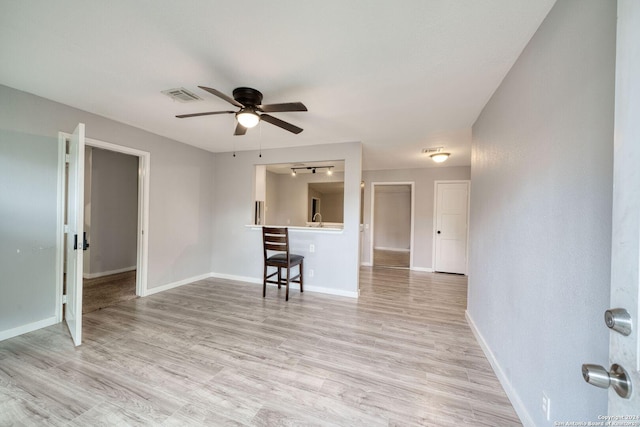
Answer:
[(451, 224)]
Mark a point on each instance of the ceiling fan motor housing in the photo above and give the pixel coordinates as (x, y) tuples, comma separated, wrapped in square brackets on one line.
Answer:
[(247, 96)]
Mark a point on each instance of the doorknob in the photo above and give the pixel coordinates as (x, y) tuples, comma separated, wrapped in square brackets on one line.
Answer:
[(85, 244), (616, 377), (619, 320)]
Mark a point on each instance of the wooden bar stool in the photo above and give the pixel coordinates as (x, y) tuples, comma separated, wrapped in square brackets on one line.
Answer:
[(276, 239)]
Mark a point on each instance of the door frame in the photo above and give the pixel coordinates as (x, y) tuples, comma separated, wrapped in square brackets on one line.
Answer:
[(373, 204), (435, 220), (142, 261)]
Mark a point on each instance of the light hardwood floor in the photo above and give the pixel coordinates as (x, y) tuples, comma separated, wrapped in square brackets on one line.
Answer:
[(216, 353), (395, 259), (106, 291)]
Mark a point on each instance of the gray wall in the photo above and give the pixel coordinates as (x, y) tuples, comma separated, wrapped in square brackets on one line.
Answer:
[(114, 212), (238, 249), (181, 196), (331, 207), (28, 177), (541, 214), (392, 217), (423, 222)]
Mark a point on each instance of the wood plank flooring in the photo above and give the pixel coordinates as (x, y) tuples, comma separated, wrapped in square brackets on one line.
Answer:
[(106, 291), (386, 258), (216, 353)]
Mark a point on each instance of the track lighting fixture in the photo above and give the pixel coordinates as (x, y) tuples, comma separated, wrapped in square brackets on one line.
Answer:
[(313, 169)]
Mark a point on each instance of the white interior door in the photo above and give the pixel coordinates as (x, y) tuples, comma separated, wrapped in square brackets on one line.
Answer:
[(625, 260), (75, 241), (451, 224)]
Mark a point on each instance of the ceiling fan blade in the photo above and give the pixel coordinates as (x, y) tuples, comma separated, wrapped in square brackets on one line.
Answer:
[(240, 130), (184, 116), (221, 95), (279, 108), (281, 123)]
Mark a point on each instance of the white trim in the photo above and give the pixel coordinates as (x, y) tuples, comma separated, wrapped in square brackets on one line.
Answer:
[(144, 170), (413, 207), (366, 264), (424, 269), (251, 280), (107, 273), (246, 279), (155, 290), (331, 291), (258, 281), (60, 210), (29, 327), (435, 219), (516, 402)]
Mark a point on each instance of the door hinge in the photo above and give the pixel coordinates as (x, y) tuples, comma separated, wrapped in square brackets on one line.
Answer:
[(66, 228), (64, 298), (67, 158)]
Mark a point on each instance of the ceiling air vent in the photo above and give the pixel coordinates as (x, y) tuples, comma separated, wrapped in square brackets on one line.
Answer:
[(432, 150), (181, 95)]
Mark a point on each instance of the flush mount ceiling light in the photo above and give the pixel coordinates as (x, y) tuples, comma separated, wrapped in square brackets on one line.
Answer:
[(247, 118), (437, 154), (439, 157)]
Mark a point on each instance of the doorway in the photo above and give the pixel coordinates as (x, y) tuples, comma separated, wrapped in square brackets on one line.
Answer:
[(392, 206), (110, 225), (71, 240)]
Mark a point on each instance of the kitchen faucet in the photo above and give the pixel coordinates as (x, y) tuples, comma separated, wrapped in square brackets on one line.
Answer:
[(314, 218)]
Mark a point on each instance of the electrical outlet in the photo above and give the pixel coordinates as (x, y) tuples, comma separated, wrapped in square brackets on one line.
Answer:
[(546, 406), (312, 248), (311, 272)]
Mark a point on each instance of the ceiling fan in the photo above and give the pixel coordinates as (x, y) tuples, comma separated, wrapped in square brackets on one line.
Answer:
[(251, 109)]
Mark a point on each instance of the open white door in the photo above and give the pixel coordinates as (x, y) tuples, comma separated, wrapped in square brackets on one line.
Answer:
[(451, 225), (624, 350), (622, 374), (75, 240)]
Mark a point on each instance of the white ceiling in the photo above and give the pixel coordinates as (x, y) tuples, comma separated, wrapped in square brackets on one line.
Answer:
[(398, 76)]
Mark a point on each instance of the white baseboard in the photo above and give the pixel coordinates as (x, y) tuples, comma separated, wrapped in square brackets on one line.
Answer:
[(320, 290), (252, 280), (366, 264), (10, 333), (517, 403), (107, 273), (238, 278), (156, 289), (331, 291), (383, 248), (258, 281), (425, 269)]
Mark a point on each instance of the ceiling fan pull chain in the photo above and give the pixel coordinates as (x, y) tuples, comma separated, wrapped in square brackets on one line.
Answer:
[(260, 141)]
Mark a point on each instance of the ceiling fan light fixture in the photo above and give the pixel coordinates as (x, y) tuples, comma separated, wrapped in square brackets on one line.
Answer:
[(439, 157), (247, 118)]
